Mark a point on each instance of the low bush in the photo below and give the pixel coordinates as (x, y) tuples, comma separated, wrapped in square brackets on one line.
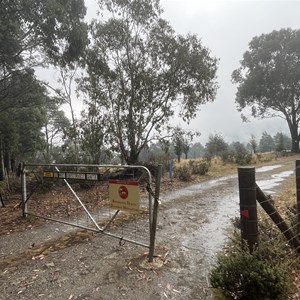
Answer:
[(239, 157), (260, 275), (183, 173), (242, 275), (243, 159), (227, 156), (199, 167)]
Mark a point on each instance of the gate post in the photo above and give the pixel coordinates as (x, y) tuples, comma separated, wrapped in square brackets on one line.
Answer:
[(248, 207), (24, 191), (1, 201), (298, 197), (155, 211)]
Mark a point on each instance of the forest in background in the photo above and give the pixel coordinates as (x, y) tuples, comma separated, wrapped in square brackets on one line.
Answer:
[(134, 74)]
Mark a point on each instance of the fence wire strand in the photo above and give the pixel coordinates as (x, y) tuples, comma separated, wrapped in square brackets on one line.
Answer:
[(289, 218)]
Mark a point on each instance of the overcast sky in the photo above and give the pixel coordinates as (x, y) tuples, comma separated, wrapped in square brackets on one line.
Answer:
[(226, 28)]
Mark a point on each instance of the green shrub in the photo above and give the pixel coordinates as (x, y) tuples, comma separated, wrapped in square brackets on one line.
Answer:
[(243, 158), (262, 275), (239, 157), (183, 173), (243, 276), (227, 156), (291, 212)]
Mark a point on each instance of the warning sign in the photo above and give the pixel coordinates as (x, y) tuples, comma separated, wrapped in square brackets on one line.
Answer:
[(124, 195)]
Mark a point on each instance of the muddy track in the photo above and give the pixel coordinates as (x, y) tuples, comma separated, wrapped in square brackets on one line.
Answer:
[(193, 224)]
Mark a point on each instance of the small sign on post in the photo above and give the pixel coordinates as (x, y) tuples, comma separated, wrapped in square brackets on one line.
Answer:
[(124, 195)]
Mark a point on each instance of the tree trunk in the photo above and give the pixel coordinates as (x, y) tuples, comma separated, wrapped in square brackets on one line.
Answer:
[(7, 161), (2, 169), (295, 138), (133, 158), (295, 146)]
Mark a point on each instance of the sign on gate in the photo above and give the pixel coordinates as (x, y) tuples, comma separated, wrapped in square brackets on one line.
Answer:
[(92, 209), (124, 195), (72, 175)]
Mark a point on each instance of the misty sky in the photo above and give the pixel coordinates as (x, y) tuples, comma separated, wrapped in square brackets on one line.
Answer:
[(226, 28)]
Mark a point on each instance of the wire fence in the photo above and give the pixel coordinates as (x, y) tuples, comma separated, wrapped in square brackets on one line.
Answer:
[(284, 220)]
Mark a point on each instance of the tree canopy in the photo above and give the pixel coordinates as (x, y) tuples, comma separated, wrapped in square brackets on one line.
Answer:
[(34, 30), (36, 33), (33, 33), (215, 145), (266, 143), (140, 71), (269, 79)]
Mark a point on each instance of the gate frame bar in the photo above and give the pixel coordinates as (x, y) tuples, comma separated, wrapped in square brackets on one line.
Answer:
[(152, 214)]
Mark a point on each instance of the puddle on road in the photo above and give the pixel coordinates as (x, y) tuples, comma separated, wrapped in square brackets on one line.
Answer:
[(215, 183), (267, 168), (205, 242), (196, 188), (213, 235), (276, 179)]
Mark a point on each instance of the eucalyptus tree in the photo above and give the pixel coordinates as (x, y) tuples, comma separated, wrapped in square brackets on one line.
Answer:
[(253, 143), (33, 33), (140, 71), (20, 126), (266, 143), (56, 128), (37, 33), (215, 145), (94, 134), (182, 140), (197, 150), (269, 79), (282, 142), (68, 78)]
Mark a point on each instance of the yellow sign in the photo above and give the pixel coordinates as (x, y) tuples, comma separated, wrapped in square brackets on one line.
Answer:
[(48, 174), (124, 195)]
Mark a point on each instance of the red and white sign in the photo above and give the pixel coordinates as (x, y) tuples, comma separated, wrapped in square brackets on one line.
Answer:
[(124, 195)]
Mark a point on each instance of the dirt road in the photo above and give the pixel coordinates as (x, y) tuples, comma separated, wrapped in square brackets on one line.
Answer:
[(193, 224)]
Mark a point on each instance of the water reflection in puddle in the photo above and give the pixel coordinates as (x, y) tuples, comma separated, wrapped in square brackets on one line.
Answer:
[(267, 168), (196, 188), (276, 179), (211, 236)]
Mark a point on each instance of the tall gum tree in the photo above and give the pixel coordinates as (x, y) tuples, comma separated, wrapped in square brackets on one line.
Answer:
[(33, 33), (140, 71), (269, 79)]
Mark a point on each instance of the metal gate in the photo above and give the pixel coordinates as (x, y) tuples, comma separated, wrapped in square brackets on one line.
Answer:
[(108, 199)]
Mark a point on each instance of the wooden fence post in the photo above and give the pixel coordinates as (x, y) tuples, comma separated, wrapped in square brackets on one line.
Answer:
[(1, 201), (298, 197), (248, 207)]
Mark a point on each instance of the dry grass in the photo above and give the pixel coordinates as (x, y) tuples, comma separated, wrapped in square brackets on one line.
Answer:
[(284, 199), (218, 168)]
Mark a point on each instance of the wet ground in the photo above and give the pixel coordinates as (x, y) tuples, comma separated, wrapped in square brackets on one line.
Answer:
[(193, 224)]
